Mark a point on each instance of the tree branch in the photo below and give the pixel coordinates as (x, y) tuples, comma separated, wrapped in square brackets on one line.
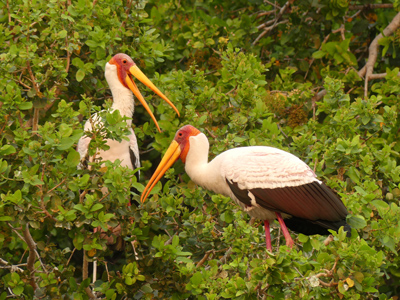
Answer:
[(380, 76), (275, 23), (373, 54), (370, 6), (13, 268), (266, 13), (373, 50), (31, 257), (205, 257), (85, 273)]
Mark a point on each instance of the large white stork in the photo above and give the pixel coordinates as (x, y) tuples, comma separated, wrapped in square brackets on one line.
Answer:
[(118, 73), (266, 182)]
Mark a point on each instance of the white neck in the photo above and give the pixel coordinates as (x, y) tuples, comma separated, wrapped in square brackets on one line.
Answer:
[(196, 165), (208, 175), (122, 96)]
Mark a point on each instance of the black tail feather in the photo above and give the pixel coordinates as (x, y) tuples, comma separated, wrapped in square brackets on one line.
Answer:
[(308, 227)]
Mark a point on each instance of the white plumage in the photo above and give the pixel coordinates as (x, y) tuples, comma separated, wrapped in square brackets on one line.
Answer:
[(123, 101), (118, 73)]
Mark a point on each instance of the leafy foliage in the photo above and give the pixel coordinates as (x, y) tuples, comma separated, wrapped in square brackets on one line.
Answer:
[(185, 242)]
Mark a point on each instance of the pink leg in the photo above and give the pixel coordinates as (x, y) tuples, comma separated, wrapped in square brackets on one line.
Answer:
[(289, 240), (267, 235)]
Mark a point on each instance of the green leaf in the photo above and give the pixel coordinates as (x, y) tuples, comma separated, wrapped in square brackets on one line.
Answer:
[(92, 44), (381, 205), (62, 34), (80, 75), (25, 105), (7, 150), (97, 206), (303, 238), (146, 288), (316, 244), (356, 221), (196, 279), (175, 241), (18, 290), (73, 159), (198, 45), (73, 284), (318, 54), (80, 207), (15, 198)]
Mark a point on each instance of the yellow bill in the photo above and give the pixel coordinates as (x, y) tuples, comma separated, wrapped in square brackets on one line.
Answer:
[(135, 71), (169, 158)]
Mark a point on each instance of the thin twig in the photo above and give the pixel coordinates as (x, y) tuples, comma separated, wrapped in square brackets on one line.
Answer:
[(226, 256), (69, 259), (370, 6), (210, 133), (276, 23), (266, 13), (14, 268), (268, 29), (273, 4), (205, 257)]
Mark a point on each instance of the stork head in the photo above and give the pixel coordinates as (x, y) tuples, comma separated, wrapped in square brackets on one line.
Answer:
[(125, 69), (179, 148)]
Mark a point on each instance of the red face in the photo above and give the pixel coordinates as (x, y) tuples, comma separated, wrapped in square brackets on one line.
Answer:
[(123, 63), (182, 138), (178, 149)]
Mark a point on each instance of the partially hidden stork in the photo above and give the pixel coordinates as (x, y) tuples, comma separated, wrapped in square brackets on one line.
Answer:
[(118, 72), (266, 182)]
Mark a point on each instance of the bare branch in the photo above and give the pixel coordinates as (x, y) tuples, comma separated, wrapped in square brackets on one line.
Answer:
[(205, 257), (13, 268), (373, 54), (276, 23), (69, 259), (341, 30), (374, 47), (268, 29), (370, 6), (273, 4), (226, 256), (85, 273), (266, 13), (31, 257), (379, 76)]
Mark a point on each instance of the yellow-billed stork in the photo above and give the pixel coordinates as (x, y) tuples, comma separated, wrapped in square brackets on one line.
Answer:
[(266, 182), (118, 72)]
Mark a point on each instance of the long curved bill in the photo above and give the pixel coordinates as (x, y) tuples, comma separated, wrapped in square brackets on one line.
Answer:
[(135, 71), (171, 156)]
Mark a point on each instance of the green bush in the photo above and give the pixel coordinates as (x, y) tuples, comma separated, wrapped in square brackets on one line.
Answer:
[(186, 242)]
